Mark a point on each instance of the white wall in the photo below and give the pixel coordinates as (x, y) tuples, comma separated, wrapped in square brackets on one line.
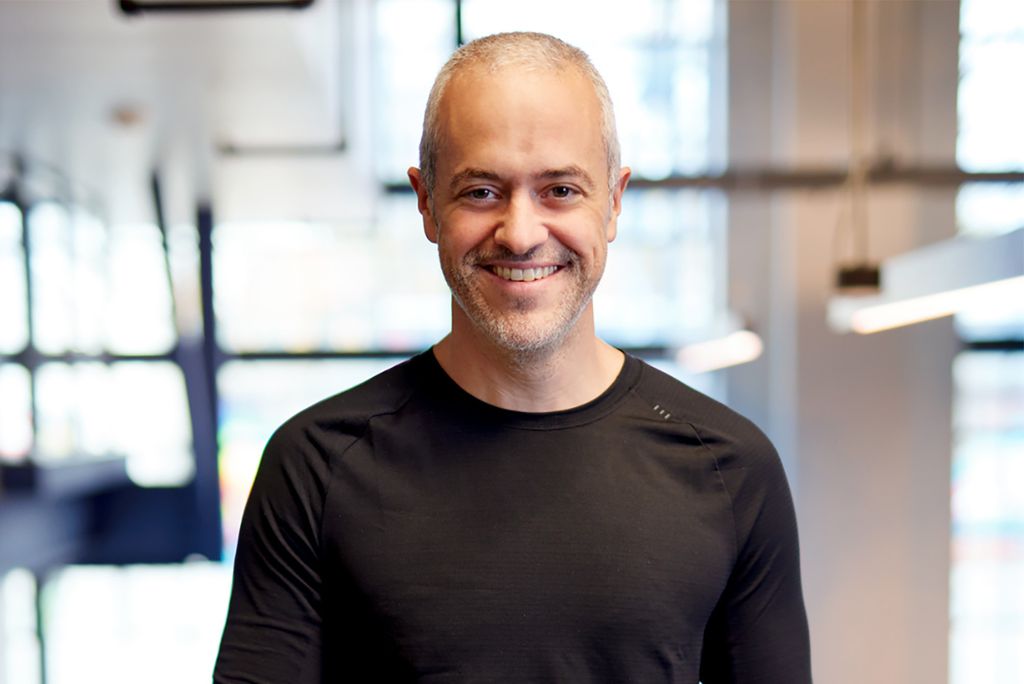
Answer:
[(863, 423)]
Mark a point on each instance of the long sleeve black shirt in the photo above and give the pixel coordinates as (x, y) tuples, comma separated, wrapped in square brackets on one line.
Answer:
[(406, 531)]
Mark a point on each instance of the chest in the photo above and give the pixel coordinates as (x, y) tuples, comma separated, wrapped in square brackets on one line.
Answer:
[(459, 538)]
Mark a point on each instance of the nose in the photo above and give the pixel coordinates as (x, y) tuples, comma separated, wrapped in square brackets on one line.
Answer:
[(521, 227)]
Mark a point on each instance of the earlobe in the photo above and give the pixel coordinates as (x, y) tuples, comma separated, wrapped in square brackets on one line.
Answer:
[(423, 204), (612, 230)]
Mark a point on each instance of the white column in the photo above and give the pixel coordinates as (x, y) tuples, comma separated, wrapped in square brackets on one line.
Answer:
[(863, 423)]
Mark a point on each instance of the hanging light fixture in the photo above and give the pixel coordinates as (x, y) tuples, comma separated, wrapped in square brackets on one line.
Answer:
[(935, 281), (927, 283), (859, 275)]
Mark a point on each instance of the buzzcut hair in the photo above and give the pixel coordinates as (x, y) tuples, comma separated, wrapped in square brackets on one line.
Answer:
[(514, 49)]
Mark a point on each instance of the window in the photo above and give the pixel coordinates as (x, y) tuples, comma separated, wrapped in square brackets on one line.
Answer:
[(658, 68), (15, 412), (18, 626), (662, 284), (412, 40), (103, 290), (13, 309), (298, 287), (987, 600), (98, 293), (100, 620), (987, 603), (989, 113)]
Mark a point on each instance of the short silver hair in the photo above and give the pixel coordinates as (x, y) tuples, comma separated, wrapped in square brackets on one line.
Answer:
[(523, 49)]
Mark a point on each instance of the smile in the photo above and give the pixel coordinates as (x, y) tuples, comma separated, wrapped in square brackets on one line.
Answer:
[(523, 274)]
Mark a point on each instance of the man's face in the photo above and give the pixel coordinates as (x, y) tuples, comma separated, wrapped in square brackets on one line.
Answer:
[(522, 212)]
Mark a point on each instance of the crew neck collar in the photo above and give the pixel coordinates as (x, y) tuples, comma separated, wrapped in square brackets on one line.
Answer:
[(440, 387)]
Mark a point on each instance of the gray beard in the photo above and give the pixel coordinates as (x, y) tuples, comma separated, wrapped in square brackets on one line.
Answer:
[(521, 345)]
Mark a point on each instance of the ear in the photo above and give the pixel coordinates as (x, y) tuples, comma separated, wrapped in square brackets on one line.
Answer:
[(616, 201), (423, 204)]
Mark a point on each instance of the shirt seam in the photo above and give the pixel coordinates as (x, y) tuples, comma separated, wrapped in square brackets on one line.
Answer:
[(714, 460), (725, 488), (364, 429)]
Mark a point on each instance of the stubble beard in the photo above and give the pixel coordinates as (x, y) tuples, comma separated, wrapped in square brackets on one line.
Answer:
[(523, 330)]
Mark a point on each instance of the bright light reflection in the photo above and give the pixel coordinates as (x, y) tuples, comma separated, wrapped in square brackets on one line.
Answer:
[(20, 645), (136, 409), (742, 346), (139, 318), (51, 271), (13, 312), (158, 624), (872, 319), (15, 413)]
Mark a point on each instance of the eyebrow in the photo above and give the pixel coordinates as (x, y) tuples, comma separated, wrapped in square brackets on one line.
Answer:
[(471, 174), (571, 171)]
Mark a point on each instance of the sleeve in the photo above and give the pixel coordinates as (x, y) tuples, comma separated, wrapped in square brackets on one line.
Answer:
[(273, 628), (758, 631)]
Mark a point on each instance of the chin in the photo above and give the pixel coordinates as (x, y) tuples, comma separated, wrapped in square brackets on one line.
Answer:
[(522, 337)]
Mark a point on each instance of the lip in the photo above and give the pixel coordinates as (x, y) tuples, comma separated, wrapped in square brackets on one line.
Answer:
[(520, 273), (521, 264)]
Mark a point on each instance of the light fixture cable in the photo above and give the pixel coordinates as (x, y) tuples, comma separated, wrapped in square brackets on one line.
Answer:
[(860, 273)]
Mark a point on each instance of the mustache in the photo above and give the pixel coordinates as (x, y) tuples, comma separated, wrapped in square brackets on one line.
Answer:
[(561, 255)]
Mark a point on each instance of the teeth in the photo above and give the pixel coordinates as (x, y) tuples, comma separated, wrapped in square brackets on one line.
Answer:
[(524, 274)]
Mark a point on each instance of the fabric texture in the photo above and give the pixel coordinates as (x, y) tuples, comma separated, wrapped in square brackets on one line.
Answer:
[(406, 531)]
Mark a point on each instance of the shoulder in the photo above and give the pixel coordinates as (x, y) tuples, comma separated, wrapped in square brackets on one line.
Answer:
[(338, 420), (304, 447), (298, 457), (747, 464), (733, 440)]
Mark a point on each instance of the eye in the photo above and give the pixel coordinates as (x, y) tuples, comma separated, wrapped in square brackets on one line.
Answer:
[(480, 194), (562, 192)]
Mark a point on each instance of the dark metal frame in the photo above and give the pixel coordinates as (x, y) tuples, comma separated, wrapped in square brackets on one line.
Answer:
[(134, 7)]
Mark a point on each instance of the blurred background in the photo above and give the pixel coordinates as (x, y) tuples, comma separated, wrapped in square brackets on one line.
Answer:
[(205, 226)]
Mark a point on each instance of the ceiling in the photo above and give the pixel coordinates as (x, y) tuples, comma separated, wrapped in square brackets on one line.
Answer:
[(95, 101)]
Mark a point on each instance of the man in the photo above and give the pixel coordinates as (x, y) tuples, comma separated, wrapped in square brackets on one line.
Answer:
[(523, 502)]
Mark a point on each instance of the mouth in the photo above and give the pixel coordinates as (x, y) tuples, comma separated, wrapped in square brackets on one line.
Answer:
[(523, 274)]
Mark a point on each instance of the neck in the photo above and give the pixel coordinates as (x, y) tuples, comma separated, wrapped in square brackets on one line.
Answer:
[(576, 370)]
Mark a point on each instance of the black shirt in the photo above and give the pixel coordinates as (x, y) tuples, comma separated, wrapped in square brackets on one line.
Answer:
[(406, 531)]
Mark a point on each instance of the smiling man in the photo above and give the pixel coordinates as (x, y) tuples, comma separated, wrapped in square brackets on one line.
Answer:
[(523, 502), (521, 190)]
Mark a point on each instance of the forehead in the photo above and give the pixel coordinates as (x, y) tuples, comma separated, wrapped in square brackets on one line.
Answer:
[(517, 116)]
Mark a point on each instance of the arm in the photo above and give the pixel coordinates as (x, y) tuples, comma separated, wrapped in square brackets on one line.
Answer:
[(273, 629), (758, 631)]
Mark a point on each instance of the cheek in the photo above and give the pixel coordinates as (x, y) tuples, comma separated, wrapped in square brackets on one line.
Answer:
[(462, 231), (592, 235), (453, 249)]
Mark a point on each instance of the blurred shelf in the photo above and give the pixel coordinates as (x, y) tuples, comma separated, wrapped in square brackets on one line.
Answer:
[(47, 510), (71, 477)]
